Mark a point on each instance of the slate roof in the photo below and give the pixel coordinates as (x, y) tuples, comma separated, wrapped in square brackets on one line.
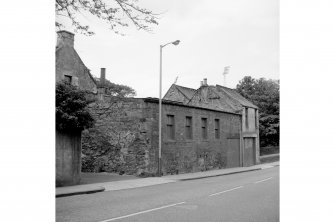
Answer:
[(236, 96), (179, 94), (210, 97), (188, 92)]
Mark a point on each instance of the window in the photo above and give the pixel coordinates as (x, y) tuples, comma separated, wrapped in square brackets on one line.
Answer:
[(204, 128), (68, 79), (217, 129), (246, 118), (188, 127), (170, 127)]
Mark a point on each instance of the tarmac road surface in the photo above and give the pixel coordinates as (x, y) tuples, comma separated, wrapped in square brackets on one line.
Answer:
[(249, 196)]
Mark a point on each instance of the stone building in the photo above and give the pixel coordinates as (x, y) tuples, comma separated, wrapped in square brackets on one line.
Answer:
[(224, 99), (202, 129), (208, 128), (70, 68)]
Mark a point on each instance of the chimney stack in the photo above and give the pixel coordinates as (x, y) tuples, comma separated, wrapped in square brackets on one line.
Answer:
[(103, 76), (65, 38), (205, 82)]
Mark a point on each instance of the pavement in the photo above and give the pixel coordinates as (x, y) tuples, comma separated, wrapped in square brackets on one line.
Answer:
[(150, 181)]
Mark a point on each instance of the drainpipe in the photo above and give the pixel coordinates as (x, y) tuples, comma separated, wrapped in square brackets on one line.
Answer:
[(257, 148), (241, 140)]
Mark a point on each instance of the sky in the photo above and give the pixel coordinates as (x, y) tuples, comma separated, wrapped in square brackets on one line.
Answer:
[(242, 34)]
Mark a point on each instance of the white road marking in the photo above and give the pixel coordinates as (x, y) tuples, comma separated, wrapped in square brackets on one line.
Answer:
[(142, 212), (225, 191), (263, 180)]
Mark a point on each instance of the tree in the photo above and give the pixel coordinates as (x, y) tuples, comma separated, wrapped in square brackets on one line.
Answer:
[(116, 89), (264, 94), (71, 108), (114, 12)]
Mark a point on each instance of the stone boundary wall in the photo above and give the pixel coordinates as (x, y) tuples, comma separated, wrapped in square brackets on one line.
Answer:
[(118, 142)]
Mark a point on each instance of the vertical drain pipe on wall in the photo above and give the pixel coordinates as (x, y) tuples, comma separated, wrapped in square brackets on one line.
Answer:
[(257, 148), (242, 139)]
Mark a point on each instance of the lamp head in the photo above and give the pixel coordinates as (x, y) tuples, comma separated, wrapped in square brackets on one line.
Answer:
[(176, 42)]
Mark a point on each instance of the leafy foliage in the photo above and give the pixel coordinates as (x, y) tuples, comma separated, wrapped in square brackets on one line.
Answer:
[(114, 12), (71, 111), (264, 94), (117, 90)]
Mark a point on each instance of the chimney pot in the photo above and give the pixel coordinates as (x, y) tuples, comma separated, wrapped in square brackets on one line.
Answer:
[(205, 82), (65, 38), (103, 77)]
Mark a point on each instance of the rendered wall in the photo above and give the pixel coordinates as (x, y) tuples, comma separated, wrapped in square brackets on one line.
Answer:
[(68, 158)]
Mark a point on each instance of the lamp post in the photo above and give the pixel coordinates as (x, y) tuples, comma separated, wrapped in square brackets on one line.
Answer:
[(160, 107)]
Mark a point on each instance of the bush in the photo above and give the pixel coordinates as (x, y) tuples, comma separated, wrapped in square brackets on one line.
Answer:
[(71, 108)]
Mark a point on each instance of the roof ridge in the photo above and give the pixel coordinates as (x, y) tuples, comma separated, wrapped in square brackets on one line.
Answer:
[(184, 87), (225, 87)]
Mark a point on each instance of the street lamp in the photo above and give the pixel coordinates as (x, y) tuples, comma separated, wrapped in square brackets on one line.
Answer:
[(160, 107)]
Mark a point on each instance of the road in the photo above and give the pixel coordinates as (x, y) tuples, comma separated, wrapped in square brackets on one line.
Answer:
[(249, 196)]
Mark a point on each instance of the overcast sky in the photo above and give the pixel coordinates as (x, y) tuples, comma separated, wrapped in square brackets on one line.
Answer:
[(242, 34)]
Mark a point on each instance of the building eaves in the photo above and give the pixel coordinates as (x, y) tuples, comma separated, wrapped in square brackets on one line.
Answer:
[(171, 102)]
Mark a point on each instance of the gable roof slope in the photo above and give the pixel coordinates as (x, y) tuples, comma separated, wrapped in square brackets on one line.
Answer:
[(188, 92), (236, 96), (208, 97), (59, 48), (179, 94)]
